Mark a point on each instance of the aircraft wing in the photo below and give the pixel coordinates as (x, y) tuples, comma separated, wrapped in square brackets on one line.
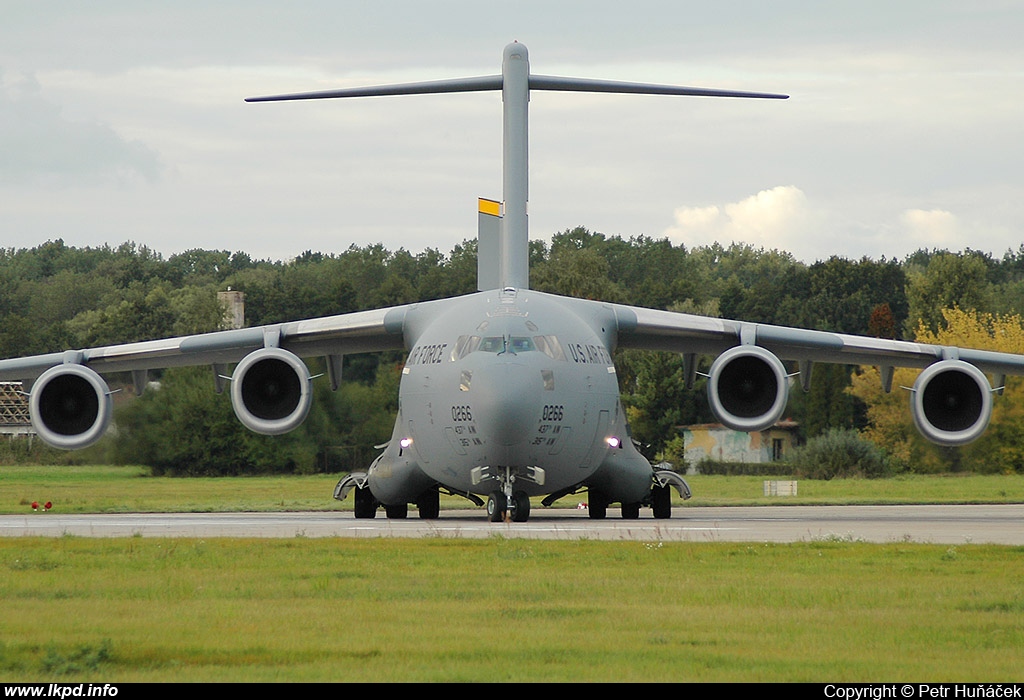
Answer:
[(271, 389), (363, 331), (748, 384), (652, 329)]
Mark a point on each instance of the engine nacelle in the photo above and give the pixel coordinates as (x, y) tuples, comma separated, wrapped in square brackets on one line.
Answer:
[(70, 406), (748, 388), (951, 402), (271, 391)]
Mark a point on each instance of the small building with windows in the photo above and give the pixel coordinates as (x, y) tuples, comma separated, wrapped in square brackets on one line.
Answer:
[(715, 442)]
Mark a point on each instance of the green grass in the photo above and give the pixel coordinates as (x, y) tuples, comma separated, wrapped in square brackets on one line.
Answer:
[(920, 489), (105, 489), (140, 609), (311, 609)]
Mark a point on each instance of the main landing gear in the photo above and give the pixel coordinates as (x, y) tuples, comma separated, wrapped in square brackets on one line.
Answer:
[(427, 503), (659, 499)]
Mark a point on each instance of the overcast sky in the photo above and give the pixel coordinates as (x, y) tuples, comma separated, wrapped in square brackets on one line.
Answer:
[(123, 120)]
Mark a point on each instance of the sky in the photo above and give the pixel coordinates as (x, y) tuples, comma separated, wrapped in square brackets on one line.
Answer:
[(125, 121)]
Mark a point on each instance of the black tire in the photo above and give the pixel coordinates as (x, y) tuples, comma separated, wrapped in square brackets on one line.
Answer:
[(630, 511), (497, 504), (429, 504), (661, 502), (397, 511), (365, 503), (597, 505), (520, 507)]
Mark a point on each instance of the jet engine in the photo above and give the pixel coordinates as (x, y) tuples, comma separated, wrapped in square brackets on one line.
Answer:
[(70, 406), (748, 388), (951, 402), (271, 391)]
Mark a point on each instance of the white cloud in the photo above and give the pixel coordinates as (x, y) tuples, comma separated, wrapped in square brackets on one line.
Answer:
[(697, 218), (779, 217), (784, 218), (935, 228), (770, 214)]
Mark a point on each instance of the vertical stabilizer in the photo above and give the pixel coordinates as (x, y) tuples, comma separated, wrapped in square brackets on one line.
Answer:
[(515, 228), (511, 251)]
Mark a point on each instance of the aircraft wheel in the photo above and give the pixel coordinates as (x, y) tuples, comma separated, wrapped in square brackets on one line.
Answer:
[(520, 507), (630, 511), (597, 505), (497, 504), (398, 511), (429, 504), (661, 502), (365, 503)]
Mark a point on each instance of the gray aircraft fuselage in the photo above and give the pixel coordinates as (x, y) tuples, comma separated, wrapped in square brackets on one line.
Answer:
[(506, 382)]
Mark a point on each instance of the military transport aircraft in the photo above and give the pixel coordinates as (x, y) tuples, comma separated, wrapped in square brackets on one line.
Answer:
[(510, 393)]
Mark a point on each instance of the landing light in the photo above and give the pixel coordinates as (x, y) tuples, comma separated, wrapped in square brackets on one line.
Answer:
[(613, 442), (405, 442)]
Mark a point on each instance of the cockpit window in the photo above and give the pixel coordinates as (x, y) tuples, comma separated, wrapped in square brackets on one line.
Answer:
[(494, 343), (549, 345), (466, 344), (520, 344)]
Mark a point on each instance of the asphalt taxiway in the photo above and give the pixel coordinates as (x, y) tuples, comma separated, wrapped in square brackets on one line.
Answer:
[(939, 524)]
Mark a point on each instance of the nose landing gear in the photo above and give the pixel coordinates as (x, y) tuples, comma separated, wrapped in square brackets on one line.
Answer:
[(508, 503), (500, 507)]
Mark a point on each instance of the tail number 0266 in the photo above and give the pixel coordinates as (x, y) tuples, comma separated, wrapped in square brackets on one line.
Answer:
[(553, 413)]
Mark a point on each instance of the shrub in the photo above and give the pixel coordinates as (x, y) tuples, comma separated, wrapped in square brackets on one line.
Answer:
[(719, 468), (839, 453)]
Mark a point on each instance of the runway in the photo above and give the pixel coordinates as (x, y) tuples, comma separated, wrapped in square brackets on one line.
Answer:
[(961, 524)]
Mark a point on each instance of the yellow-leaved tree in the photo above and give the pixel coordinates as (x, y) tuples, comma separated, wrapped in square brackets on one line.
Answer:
[(891, 426)]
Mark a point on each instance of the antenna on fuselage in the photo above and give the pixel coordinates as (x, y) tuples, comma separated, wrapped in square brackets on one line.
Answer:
[(515, 83)]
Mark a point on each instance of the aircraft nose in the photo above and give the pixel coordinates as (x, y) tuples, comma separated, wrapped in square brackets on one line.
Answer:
[(505, 402)]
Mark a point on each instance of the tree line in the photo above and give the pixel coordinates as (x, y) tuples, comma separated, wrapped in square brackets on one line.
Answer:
[(54, 296)]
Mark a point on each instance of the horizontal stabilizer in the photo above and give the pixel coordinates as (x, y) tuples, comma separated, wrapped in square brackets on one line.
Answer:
[(483, 83), (536, 82), (552, 82), (487, 82)]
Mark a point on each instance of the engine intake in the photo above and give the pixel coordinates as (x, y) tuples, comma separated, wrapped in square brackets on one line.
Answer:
[(748, 388), (270, 391), (70, 406), (951, 402)]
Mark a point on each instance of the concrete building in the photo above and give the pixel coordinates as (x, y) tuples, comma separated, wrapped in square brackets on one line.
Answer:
[(234, 309), (713, 441)]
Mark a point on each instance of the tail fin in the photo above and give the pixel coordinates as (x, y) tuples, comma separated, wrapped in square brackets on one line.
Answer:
[(515, 83)]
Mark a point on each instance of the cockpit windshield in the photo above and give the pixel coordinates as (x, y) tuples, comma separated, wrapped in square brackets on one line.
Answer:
[(548, 344), (494, 343), (519, 344)]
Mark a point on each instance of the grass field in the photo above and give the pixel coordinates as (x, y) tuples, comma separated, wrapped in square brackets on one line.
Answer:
[(141, 609), (332, 609), (101, 489)]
